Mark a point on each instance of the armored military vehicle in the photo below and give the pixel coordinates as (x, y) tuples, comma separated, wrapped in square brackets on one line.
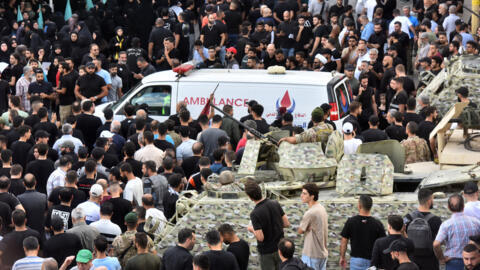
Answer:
[(378, 169)]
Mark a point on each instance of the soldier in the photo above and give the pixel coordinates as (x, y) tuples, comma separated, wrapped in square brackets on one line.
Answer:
[(318, 133), (124, 245), (416, 149)]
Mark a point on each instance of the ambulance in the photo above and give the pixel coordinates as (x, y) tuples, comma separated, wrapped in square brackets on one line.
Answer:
[(298, 91)]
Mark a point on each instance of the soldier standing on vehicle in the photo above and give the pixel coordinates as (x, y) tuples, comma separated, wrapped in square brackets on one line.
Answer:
[(318, 133)]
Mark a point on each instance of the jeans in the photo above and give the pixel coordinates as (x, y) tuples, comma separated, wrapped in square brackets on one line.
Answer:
[(454, 264), (288, 52), (315, 263), (221, 54), (359, 263)]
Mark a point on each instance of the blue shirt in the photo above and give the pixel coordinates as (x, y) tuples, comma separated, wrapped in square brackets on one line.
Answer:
[(110, 262), (367, 31), (414, 21), (216, 167), (466, 37), (196, 56)]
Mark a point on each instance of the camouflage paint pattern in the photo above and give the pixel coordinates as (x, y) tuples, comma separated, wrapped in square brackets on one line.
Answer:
[(305, 162), (250, 157), (459, 71), (209, 213), (365, 174), (335, 146)]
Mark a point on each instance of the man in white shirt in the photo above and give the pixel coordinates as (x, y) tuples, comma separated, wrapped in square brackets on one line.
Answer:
[(449, 22), (407, 25), (105, 226), (184, 150), (149, 151), (134, 187), (350, 144), (91, 208), (67, 131), (57, 177), (153, 216), (472, 207)]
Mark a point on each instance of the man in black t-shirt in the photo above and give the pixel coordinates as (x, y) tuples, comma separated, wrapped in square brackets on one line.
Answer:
[(88, 124), (91, 86), (41, 88), (268, 221), (366, 96), (410, 114), (157, 36), (426, 127), (237, 246), (41, 168), (219, 259), (462, 94), (373, 134), (121, 206), (34, 203), (286, 34), (362, 231), (179, 257), (181, 31), (167, 55), (399, 100), (21, 146), (71, 180), (396, 130), (425, 259), (66, 90), (11, 246), (213, 34)]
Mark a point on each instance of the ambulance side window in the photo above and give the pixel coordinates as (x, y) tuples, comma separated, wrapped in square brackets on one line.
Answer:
[(343, 99), (158, 98)]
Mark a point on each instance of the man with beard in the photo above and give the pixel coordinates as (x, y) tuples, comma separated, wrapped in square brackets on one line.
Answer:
[(436, 64), (471, 257), (388, 74), (378, 39), (179, 257), (65, 90), (91, 86), (41, 88), (366, 97), (231, 62)]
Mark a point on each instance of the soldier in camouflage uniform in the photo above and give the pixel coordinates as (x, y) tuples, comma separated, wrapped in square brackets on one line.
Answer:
[(318, 133), (416, 148), (124, 244)]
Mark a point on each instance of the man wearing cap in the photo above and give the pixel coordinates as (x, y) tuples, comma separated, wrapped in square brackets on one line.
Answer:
[(84, 260), (350, 143), (455, 233), (67, 131), (232, 63), (91, 86), (318, 133), (92, 206), (398, 250), (462, 94), (123, 246), (472, 207), (349, 72)]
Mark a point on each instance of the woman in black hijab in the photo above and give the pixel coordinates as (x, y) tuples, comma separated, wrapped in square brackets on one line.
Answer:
[(4, 53)]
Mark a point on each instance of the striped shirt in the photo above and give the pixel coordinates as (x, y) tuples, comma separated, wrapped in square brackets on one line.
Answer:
[(455, 233), (28, 263)]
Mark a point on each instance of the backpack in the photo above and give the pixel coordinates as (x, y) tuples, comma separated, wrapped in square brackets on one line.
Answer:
[(299, 264), (419, 231), (148, 188)]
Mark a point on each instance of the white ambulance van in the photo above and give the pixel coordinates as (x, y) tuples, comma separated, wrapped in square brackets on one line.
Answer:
[(299, 91)]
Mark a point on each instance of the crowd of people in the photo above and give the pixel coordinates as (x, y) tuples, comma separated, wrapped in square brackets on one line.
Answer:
[(79, 193)]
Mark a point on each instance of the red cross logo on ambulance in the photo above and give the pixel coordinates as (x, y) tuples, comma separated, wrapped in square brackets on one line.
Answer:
[(286, 102)]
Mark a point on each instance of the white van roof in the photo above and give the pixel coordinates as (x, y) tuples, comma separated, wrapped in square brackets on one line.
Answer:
[(243, 76)]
